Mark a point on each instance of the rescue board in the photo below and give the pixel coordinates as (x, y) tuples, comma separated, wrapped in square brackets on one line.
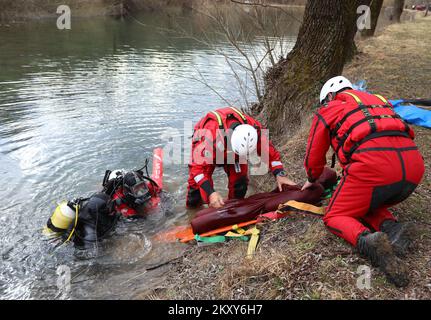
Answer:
[(185, 233), (157, 174), (157, 171)]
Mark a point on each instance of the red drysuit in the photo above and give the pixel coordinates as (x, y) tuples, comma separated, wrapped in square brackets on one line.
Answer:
[(381, 164), (210, 148)]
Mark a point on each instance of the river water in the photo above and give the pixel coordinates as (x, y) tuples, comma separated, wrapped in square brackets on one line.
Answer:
[(102, 95)]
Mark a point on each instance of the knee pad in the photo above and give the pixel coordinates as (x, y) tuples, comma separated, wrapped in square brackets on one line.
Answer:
[(240, 187), (194, 198)]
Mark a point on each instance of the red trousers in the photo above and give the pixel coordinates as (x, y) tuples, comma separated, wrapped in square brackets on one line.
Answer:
[(382, 173), (237, 185)]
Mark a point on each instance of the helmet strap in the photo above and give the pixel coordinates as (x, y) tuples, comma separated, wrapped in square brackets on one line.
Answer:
[(228, 135)]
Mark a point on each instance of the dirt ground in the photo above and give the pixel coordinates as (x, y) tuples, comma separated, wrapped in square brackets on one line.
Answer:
[(297, 258)]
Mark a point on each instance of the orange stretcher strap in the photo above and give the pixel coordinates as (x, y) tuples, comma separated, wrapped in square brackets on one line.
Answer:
[(293, 205)]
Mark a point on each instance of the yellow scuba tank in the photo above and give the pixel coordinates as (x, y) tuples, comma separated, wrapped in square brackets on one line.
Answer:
[(62, 218)]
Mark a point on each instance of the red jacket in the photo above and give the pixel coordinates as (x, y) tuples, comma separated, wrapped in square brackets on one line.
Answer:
[(351, 119), (208, 138)]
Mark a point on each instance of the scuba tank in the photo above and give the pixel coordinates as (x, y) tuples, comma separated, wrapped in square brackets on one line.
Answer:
[(82, 221), (61, 220)]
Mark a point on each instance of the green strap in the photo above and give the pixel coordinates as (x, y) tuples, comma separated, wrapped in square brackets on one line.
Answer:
[(214, 239), (329, 192), (219, 239), (242, 238)]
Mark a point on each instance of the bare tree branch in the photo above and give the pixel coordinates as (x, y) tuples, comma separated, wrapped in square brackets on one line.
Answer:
[(265, 5)]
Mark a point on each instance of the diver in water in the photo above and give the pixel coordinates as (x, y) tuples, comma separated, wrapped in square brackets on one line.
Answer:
[(88, 220)]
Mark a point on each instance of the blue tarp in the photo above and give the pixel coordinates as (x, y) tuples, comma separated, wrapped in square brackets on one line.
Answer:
[(409, 112), (412, 114)]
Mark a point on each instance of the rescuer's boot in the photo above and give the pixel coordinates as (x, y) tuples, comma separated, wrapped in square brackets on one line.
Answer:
[(401, 235), (378, 249)]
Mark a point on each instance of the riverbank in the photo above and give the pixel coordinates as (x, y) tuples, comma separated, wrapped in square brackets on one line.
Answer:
[(12, 11), (21, 10), (297, 258)]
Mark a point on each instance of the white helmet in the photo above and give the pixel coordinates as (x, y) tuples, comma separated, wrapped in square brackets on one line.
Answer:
[(334, 85), (244, 140)]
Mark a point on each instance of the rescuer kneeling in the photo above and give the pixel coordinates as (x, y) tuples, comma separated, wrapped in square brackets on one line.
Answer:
[(226, 137), (381, 167)]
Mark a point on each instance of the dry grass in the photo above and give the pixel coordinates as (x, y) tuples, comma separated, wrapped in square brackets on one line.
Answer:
[(297, 257)]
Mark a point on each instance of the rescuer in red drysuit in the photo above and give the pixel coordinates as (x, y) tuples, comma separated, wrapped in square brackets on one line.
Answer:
[(381, 167), (225, 137)]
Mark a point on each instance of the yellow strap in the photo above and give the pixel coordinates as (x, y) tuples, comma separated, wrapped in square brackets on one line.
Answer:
[(76, 222), (303, 207), (239, 232), (220, 122), (239, 113), (253, 242), (354, 97), (236, 228), (360, 102), (382, 98), (254, 239), (233, 234)]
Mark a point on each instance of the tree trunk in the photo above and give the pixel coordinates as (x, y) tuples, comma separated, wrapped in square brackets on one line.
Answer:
[(324, 43), (375, 7), (398, 10)]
